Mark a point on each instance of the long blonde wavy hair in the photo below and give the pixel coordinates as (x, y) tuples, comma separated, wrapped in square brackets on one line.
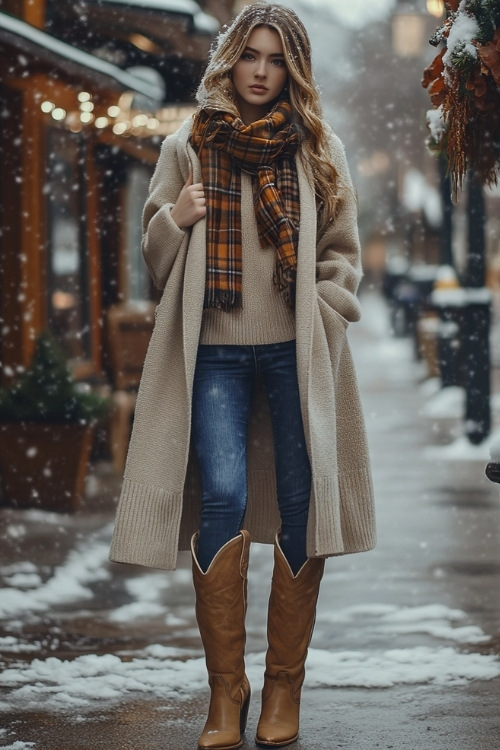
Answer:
[(216, 89)]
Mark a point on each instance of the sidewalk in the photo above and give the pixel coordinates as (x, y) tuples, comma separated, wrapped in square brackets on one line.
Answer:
[(407, 643)]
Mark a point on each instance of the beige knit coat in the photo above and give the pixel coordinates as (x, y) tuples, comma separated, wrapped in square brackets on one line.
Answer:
[(160, 500)]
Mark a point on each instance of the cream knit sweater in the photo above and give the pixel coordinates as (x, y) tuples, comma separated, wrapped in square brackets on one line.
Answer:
[(265, 318)]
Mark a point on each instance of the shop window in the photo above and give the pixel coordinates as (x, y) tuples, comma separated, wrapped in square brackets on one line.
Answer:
[(68, 276), (137, 281)]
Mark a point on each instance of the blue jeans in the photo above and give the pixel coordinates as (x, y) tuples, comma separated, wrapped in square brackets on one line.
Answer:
[(222, 402)]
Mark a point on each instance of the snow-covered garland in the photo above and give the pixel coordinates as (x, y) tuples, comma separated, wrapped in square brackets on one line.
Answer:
[(463, 82)]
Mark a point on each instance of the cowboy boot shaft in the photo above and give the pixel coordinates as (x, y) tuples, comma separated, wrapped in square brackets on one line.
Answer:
[(291, 616), (292, 611), (221, 601), (221, 594)]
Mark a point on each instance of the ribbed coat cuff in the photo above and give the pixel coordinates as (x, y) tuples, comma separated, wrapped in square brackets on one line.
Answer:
[(148, 518)]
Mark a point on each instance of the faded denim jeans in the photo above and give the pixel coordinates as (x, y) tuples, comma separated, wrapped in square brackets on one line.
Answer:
[(222, 401)]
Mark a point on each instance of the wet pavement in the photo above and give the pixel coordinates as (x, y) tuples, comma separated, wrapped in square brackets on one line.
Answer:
[(438, 552)]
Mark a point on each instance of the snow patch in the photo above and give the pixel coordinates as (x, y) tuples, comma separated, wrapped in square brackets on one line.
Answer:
[(410, 666), (435, 620), (146, 591), (84, 565), (495, 447), (171, 673), (11, 645), (90, 680), (447, 403), (460, 449)]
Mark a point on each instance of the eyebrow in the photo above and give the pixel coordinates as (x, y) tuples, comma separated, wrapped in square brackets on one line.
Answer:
[(274, 54)]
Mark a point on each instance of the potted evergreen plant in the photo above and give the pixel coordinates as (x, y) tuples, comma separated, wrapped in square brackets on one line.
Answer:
[(46, 426)]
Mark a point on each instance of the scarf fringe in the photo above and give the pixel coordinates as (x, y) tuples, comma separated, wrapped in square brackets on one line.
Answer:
[(284, 278), (222, 299)]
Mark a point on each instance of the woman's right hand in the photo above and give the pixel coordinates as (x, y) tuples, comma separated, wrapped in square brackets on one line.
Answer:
[(190, 205)]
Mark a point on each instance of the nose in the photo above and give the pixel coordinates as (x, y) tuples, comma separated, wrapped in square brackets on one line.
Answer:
[(260, 70)]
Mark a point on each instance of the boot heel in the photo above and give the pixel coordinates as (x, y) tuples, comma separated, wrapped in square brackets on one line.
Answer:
[(244, 713)]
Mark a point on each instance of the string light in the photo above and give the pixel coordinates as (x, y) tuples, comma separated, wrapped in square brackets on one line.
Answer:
[(120, 118), (119, 128), (58, 113), (140, 121)]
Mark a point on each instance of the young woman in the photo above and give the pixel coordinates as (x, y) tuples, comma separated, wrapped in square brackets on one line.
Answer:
[(248, 422)]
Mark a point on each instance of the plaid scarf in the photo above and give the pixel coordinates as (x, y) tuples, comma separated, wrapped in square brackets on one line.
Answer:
[(266, 150)]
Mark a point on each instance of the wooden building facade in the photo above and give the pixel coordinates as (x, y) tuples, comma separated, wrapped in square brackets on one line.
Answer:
[(86, 99)]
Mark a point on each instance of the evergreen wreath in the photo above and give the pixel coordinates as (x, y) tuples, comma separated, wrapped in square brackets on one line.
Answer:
[(463, 82)]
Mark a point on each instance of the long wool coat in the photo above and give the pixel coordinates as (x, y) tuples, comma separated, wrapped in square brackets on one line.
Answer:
[(160, 500)]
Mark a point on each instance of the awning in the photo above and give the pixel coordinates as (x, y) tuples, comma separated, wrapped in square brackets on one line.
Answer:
[(203, 23), (31, 40)]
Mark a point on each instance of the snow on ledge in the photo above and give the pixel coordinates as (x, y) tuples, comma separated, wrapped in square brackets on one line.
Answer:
[(127, 80), (203, 22)]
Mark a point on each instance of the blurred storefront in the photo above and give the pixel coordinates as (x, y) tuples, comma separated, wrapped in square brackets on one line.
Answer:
[(88, 93)]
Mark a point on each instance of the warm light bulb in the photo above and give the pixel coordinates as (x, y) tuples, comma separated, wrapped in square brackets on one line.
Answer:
[(435, 8), (58, 113), (119, 128), (140, 121)]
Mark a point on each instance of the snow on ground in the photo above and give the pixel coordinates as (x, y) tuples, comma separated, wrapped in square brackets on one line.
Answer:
[(449, 404), (462, 450), (165, 672), (147, 592), (435, 620), (438, 636), (91, 680), (69, 582), (18, 745), (446, 404)]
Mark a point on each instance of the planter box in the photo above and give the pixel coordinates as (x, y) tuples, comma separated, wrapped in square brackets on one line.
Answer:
[(44, 465)]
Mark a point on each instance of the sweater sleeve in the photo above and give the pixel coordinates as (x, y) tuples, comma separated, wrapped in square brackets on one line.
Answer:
[(338, 264), (162, 238)]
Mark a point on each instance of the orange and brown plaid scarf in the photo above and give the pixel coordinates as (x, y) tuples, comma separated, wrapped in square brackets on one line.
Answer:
[(266, 149)]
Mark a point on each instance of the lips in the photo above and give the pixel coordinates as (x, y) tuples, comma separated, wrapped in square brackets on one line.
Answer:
[(258, 89)]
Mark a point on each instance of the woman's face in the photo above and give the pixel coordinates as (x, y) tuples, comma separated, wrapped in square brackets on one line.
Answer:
[(260, 74)]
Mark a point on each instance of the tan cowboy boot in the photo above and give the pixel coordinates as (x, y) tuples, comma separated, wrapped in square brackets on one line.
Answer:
[(292, 611), (221, 602)]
